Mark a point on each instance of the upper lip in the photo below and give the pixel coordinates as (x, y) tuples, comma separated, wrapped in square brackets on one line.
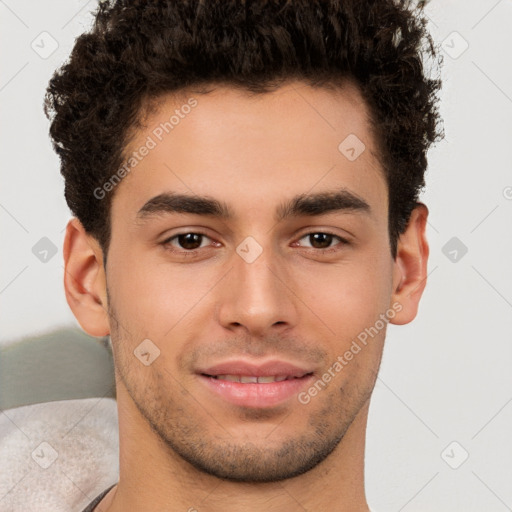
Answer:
[(266, 369)]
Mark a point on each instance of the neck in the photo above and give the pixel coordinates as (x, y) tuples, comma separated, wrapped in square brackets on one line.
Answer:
[(153, 477)]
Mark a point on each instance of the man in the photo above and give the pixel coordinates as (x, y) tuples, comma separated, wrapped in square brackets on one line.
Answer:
[(244, 178)]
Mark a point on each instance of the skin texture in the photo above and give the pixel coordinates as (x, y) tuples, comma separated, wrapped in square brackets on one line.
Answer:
[(181, 446)]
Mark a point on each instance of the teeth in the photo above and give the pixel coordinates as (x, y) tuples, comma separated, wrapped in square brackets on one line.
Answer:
[(247, 379), (232, 378), (265, 380)]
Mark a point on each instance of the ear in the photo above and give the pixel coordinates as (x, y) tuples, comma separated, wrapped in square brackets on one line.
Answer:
[(84, 279), (410, 267)]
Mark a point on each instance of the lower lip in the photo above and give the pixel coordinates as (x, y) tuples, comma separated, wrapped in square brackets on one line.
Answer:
[(255, 394)]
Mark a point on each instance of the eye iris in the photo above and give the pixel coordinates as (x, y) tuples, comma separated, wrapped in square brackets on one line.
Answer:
[(193, 240), (190, 240), (322, 239)]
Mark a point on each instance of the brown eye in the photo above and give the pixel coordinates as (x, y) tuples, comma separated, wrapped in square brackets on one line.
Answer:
[(323, 242), (187, 241), (190, 240), (320, 240)]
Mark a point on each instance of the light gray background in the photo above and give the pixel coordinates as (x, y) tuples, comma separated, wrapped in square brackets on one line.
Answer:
[(444, 378)]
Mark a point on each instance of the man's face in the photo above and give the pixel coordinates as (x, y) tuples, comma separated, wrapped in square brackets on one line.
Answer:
[(265, 292)]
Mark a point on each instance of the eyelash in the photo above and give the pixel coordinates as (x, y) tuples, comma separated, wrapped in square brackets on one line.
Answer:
[(193, 252)]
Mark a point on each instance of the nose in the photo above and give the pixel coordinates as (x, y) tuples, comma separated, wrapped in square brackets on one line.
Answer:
[(258, 296)]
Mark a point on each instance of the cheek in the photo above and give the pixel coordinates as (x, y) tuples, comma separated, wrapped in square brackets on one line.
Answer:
[(153, 297), (158, 299), (348, 296)]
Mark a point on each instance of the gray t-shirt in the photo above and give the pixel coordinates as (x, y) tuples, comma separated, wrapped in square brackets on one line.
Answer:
[(95, 501)]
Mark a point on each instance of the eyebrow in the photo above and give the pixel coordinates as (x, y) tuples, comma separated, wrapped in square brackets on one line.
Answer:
[(301, 205)]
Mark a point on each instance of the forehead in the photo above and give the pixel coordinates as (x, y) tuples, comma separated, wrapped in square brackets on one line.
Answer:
[(251, 150)]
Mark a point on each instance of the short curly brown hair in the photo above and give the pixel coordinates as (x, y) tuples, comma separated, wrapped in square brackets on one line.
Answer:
[(139, 50)]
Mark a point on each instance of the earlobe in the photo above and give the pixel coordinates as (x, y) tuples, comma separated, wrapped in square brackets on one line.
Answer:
[(410, 266), (84, 279)]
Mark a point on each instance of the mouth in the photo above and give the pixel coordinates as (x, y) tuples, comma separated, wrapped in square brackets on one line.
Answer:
[(253, 379), (246, 384)]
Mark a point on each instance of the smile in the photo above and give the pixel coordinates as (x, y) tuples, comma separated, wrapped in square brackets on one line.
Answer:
[(251, 379), (254, 391)]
